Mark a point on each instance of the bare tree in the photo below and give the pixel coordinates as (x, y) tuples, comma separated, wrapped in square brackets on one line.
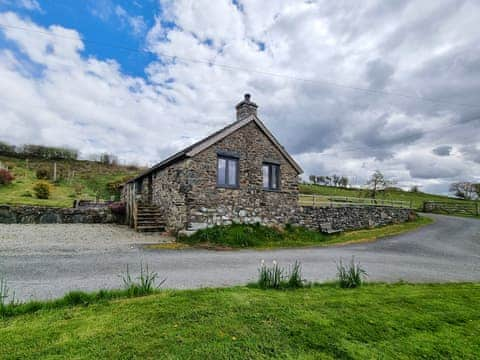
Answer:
[(378, 182), (343, 181), (313, 179), (464, 190)]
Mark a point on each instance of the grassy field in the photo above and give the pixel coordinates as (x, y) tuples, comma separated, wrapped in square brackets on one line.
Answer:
[(376, 321), (262, 237), (89, 178), (415, 198)]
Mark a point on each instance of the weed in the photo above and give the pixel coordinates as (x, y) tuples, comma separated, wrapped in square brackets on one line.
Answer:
[(277, 277), (350, 275), (145, 284)]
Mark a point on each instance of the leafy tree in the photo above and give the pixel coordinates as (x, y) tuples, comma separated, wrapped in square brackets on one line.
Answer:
[(464, 190), (378, 182)]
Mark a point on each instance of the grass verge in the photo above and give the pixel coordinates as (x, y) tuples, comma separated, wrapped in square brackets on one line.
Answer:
[(374, 321), (262, 237)]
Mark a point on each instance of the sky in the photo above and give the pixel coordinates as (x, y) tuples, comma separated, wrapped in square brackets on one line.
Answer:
[(348, 87)]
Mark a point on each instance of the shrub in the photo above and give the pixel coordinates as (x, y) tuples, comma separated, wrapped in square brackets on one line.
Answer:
[(42, 190), (42, 174), (276, 277), (113, 187), (27, 194), (78, 188), (146, 283), (350, 276), (5, 177)]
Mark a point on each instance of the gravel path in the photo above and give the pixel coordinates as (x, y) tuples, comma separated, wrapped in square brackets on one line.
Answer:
[(44, 261), (70, 239)]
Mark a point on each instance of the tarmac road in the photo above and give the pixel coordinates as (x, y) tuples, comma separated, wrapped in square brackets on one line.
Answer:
[(46, 261)]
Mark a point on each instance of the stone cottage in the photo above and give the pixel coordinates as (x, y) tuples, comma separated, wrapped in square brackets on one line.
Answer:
[(240, 173)]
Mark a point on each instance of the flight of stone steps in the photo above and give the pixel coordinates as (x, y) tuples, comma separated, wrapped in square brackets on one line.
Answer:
[(149, 219)]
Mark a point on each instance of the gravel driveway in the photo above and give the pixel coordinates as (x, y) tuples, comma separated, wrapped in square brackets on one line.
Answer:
[(44, 261)]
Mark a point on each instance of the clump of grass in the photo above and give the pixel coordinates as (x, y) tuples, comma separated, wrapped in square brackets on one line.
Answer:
[(351, 275), (146, 283), (277, 277)]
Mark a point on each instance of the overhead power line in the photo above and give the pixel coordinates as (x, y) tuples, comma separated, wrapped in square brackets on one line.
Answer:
[(249, 70)]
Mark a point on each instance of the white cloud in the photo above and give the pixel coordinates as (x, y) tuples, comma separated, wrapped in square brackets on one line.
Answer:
[(401, 47), (136, 23), (31, 5)]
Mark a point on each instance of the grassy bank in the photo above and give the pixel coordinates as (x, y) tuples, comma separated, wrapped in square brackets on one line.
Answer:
[(257, 236), (79, 179), (375, 321)]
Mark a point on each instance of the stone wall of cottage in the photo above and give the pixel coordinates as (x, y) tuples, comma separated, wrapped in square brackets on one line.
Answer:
[(349, 217), (210, 205), (169, 189)]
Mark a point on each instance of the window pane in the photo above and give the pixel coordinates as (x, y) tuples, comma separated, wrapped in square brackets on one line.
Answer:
[(221, 171), (265, 176), (232, 172), (274, 182)]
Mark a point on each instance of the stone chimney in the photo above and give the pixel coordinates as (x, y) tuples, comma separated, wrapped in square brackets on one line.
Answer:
[(246, 108)]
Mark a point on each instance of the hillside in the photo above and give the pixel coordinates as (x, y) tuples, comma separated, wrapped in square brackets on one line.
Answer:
[(416, 198), (76, 179)]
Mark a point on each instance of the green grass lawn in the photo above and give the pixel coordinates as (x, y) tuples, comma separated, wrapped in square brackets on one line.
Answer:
[(263, 237), (398, 321), (90, 177)]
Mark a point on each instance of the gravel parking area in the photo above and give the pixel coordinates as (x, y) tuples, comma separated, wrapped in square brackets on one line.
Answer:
[(75, 239)]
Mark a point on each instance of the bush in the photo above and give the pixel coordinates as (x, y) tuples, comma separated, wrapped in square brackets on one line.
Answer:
[(6, 177), (42, 190), (78, 188), (276, 277), (42, 174), (350, 276)]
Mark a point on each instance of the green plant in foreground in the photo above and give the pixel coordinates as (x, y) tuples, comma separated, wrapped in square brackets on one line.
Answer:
[(350, 275), (146, 283), (277, 277)]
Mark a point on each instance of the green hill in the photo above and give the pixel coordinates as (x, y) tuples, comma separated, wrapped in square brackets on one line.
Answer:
[(415, 198), (76, 179)]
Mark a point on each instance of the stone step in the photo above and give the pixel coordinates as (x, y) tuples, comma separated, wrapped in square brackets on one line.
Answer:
[(145, 228), (149, 216)]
